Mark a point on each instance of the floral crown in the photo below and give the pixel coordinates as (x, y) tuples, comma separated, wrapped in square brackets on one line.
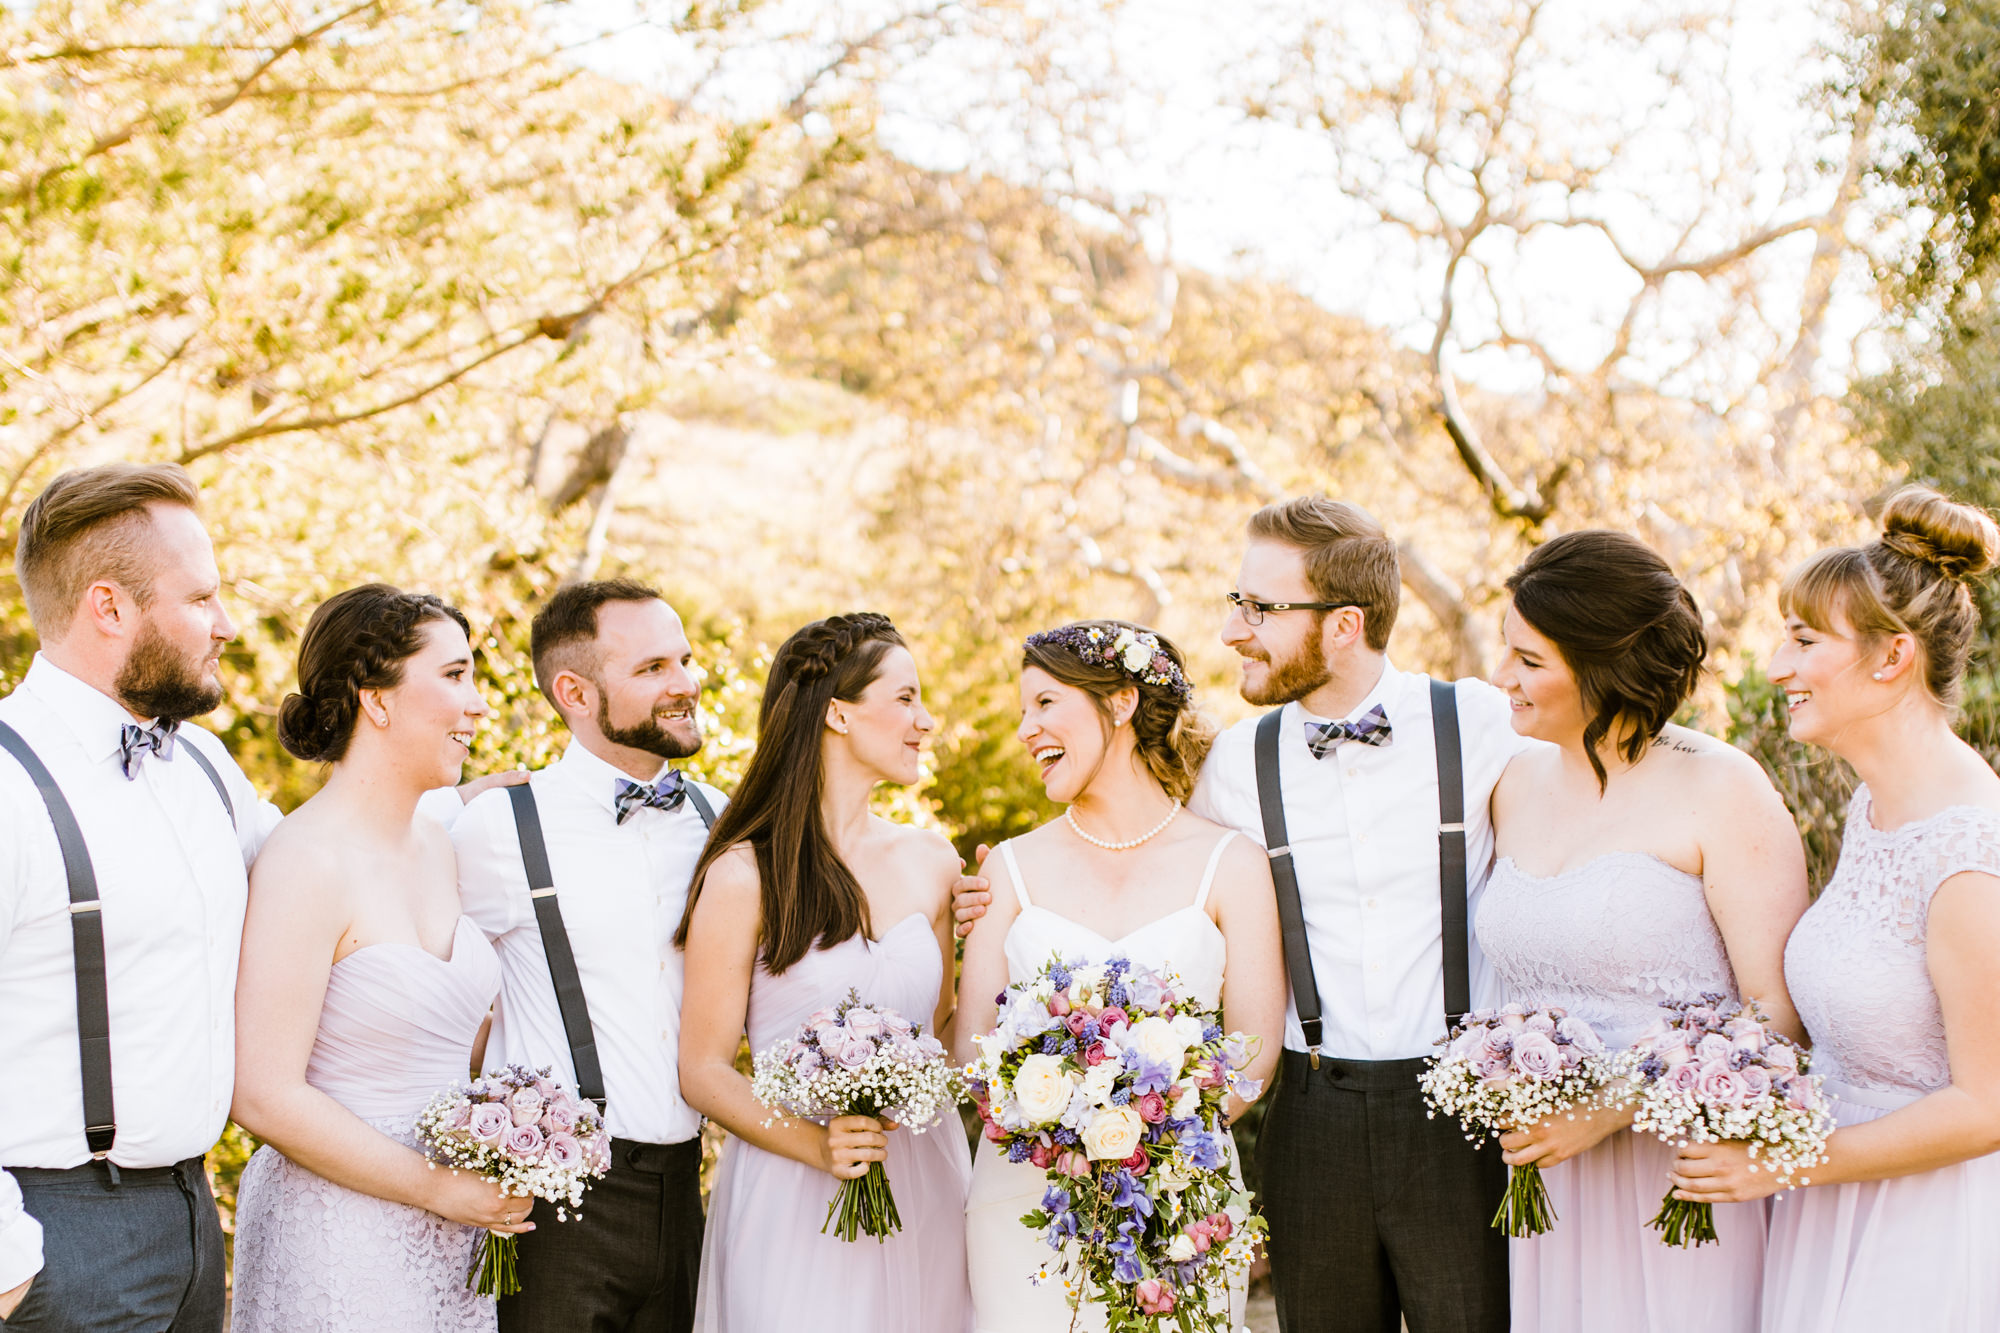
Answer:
[(1138, 653)]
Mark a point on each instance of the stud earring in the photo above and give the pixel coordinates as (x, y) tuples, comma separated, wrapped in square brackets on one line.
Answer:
[(1878, 675)]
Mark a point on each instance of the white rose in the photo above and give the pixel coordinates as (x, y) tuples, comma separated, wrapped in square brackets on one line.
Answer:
[(1113, 1134), (1159, 1041), (1085, 979), (1188, 1028), (1043, 1087), (1181, 1248), (1188, 1104), (1136, 656), (1099, 1080)]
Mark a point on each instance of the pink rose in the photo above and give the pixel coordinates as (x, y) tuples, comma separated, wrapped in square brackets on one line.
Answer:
[(852, 1050), (1581, 1036), (526, 1105), (461, 1117), (1070, 1162), (559, 1119), (1684, 1077), (1535, 1055), (993, 1132), (866, 1022), (1540, 1023), (1152, 1107), (1676, 1055), (1220, 1226), (1076, 1023), (1137, 1162), (1720, 1086), (1111, 1017), (1799, 1094), (896, 1023), (1756, 1083), (489, 1121), (523, 1141), (1712, 1048), (1154, 1296), (1781, 1056), (819, 1018), (549, 1089), (1059, 1004), (1043, 1155), (564, 1152), (1094, 1053), (1489, 1060)]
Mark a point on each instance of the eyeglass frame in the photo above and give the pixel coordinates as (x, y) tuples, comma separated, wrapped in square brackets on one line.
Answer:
[(1249, 606)]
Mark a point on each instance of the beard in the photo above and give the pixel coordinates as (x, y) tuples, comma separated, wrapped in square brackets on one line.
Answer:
[(648, 736), (162, 681), (1294, 678)]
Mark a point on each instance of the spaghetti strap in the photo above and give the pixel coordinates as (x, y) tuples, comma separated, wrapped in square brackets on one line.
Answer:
[(1014, 872), (1208, 876)]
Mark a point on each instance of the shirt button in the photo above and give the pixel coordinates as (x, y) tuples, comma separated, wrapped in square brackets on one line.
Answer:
[(1361, 838), (1353, 772), (1374, 967), (1371, 902)]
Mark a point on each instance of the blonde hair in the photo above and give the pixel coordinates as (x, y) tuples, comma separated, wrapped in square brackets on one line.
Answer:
[(1349, 558), (89, 526), (1915, 579)]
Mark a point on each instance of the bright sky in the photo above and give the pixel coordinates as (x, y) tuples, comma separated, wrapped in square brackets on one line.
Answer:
[(1231, 195)]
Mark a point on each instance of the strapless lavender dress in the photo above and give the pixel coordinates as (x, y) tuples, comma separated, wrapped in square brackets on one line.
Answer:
[(1608, 940), (765, 1265), (1917, 1252), (314, 1257)]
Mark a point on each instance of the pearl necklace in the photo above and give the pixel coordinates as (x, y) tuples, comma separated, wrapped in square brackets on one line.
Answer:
[(1069, 813)]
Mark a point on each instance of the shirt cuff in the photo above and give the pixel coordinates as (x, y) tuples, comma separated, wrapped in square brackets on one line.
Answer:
[(20, 1237)]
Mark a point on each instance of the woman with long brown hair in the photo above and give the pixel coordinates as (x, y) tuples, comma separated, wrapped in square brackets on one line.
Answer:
[(801, 895)]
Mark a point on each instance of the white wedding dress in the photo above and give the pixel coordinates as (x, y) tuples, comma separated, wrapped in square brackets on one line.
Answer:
[(1000, 1252)]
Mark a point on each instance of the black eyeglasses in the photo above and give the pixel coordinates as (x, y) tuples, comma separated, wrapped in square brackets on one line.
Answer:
[(1254, 612)]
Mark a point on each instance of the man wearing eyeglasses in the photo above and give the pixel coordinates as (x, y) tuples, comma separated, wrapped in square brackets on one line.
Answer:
[(1376, 1210)]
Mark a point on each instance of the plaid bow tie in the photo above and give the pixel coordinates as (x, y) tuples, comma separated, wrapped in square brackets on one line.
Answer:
[(1372, 728), (135, 741), (666, 794)]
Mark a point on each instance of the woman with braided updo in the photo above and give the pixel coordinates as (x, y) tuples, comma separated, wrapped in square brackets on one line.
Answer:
[(801, 895), (363, 991), (1108, 716)]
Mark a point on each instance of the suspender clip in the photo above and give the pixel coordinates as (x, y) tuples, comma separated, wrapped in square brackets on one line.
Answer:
[(1277, 852), (1312, 1058), (1451, 828), (549, 892), (77, 909)]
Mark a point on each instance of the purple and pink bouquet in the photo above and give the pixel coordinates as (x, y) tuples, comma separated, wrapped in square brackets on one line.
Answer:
[(859, 1059), (1511, 1069), (1116, 1086), (1708, 1074), (527, 1133)]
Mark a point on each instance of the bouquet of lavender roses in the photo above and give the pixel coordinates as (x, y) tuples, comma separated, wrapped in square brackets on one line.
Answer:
[(527, 1133), (859, 1059), (1510, 1069), (1707, 1075), (1116, 1087)]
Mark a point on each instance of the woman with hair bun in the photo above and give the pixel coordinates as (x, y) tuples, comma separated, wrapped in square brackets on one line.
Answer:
[(363, 991), (1637, 862), (1893, 967), (1108, 715), (801, 895)]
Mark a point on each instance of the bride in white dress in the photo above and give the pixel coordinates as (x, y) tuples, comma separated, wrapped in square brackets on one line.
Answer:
[(1107, 713)]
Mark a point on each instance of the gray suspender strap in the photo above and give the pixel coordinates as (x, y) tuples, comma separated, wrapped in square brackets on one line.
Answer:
[(86, 926), (1451, 852), (1284, 878), (214, 778), (555, 937)]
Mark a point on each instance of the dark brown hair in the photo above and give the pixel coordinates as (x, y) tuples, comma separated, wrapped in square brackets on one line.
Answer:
[(1626, 628), (807, 896), (357, 640), (88, 525), (1349, 558), (1914, 579), (1172, 737), (564, 630)]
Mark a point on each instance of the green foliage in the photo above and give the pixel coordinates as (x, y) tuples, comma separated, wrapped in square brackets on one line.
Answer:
[(1815, 785)]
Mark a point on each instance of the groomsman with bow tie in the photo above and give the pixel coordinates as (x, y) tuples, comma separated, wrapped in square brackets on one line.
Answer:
[(125, 836), (1369, 787), (579, 878)]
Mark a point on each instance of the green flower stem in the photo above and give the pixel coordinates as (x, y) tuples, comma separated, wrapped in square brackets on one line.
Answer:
[(1525, 1209), (493, 1271), (864, 1207), (1684, 1223)]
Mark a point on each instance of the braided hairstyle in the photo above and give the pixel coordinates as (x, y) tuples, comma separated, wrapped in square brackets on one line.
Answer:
[(357, 640), (808, 896), (1169, 734), (1627, 629)]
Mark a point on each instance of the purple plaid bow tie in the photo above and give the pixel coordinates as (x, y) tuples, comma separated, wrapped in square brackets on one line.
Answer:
[(136, 742), (666, 794), (1372, 728)]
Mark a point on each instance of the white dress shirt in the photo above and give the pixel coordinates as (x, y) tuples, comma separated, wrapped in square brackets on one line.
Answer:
[(171, 875), (1363, 825), (622, 888)]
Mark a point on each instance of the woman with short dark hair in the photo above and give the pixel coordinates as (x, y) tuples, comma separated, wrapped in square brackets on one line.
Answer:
[(1637, 862)]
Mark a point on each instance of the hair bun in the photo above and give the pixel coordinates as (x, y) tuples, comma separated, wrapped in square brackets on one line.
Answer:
[(1960, 541), (300, 730)]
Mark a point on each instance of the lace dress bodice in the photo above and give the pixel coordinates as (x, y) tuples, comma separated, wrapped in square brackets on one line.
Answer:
[(1607, 940), (1856, 963)]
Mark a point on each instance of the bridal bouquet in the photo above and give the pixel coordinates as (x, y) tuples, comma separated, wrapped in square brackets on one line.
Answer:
[(1115, 1086), (1513, 1068), (527, 1133), (859, 1059), (1705, 1074)]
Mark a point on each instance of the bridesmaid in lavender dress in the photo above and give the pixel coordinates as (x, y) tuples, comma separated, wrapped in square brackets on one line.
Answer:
[(801, 895), (1893, 967), (362, 992), (1638, 862)]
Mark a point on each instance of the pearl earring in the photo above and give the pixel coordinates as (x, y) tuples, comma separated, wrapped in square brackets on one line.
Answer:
[(1878, 675)]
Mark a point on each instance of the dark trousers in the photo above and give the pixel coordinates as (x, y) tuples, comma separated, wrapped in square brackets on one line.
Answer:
[(142, 1255), (628, 1263), (1377, 1212)]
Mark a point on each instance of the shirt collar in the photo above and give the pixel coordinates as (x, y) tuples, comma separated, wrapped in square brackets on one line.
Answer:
[(597, 778), (95, 718), (1388, 692)]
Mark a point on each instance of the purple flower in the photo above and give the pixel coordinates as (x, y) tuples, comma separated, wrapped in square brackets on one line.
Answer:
[(489, 1121), (523, 1142), (565, 1152)]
